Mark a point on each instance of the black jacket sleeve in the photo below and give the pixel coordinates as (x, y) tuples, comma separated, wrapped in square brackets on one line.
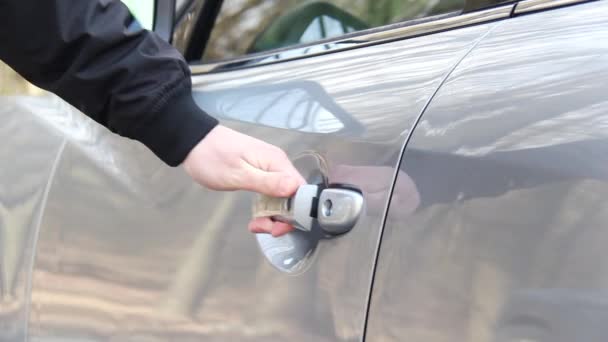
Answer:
[(94, 54)]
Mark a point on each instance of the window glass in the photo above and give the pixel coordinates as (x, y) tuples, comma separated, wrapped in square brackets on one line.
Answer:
[(179, 4), (249, 26), (143, 11)]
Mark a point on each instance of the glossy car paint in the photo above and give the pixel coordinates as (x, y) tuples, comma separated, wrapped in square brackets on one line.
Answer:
[(28, 163), (508, 242), (129, 249)]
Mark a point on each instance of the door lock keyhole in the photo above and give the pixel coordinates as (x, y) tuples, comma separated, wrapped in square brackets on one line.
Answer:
[(327, 208)]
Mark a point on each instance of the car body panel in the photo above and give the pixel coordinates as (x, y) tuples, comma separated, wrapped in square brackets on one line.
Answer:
[(29, 157), (509, 161), (131, 249)]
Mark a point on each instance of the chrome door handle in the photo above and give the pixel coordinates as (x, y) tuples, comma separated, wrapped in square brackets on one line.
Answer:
[(336, 208)]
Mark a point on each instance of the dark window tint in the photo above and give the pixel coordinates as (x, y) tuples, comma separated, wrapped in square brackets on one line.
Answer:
[(249, 26)]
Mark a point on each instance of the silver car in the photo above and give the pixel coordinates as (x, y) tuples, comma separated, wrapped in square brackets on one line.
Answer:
[(475, 133)]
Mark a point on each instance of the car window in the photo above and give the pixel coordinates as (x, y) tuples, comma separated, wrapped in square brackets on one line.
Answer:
[(249, 26), (179, 4), (143, 10)]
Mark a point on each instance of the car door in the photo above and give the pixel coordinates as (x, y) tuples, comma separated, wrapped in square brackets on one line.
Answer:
[(509, 161), (129, 249)]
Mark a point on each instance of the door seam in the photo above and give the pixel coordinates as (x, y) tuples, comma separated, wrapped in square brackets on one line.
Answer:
[(36, 234), (396, 173)]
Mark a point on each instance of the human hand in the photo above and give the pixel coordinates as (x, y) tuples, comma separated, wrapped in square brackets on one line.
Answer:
[(227, 160)]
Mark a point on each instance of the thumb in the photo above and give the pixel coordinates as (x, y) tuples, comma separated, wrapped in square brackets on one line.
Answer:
[(275, 184)]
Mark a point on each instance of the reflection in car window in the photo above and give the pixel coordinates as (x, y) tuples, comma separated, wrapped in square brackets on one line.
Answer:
[(249, 26), (179, 4)]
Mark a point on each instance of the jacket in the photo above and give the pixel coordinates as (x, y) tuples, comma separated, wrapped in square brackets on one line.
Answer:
[(96, 56)]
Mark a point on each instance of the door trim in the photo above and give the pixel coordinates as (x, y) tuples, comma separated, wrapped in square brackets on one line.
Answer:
[(164, 12), (527, 6)]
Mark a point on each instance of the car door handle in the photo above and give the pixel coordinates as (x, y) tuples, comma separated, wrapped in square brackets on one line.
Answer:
[(336, 208)]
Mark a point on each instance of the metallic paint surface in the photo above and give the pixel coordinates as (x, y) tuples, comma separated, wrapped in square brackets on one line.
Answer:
[(29, 154), (510, 164), (129, 249)]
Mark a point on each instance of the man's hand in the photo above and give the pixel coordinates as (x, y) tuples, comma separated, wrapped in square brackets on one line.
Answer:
[(227, 160)]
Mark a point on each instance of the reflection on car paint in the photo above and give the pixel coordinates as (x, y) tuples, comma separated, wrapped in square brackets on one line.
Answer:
[(29, 159), (510, 162), (303, 106), (131, 249)]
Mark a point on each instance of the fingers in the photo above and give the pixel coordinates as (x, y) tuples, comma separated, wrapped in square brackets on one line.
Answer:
[(275, 184), (228, 160), (280, 229), (269, 171), (264, 225), (283, 164)]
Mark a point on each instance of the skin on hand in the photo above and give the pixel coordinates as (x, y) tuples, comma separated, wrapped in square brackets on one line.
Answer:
[(226, 160)]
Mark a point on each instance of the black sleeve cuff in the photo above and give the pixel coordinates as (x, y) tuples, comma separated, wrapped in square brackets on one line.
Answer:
[(173, 131)]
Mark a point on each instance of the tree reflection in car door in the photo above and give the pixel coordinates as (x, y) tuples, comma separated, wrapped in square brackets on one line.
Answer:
[(297, 105), (305, 24)]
